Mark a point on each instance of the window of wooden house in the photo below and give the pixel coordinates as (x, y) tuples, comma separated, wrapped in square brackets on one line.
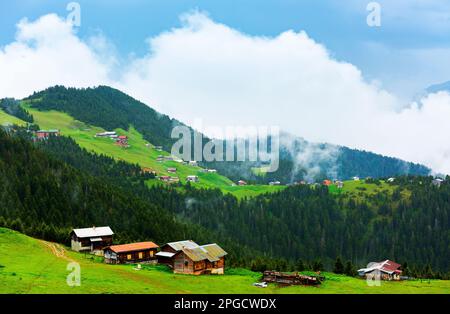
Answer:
[(141, 255), (186, 263), (151, 253), (128, 256)]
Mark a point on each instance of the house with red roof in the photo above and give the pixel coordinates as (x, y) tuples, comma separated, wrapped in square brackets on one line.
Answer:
[(140, 252), (385, 270)]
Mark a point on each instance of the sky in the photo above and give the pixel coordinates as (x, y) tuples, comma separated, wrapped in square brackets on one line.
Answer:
[(314, 68)]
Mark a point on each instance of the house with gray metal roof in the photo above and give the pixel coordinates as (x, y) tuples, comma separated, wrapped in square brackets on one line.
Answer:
[(188, 257), (91, 239)]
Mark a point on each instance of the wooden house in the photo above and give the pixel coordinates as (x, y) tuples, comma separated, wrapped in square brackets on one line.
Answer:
[(385, 270), (45, 134), (111, 134), (164, 178), (187, 257), (174, 180), (242, 182), (91, 239), (146, 170), (122, 141), (172, 170), (192, 178), (141, 252)]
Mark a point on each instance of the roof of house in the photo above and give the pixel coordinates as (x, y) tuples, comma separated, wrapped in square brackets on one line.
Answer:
[(93, 232), (215, 249), (386, 266), (199, 254), (211, 252), (165, 254), (133, 247), (195, 252), (178, 246)]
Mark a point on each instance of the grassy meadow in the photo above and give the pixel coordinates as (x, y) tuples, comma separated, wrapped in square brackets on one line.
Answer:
[(28, 265), (140, 152), (8, 119)]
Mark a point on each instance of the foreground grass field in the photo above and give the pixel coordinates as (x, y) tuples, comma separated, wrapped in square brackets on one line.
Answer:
[(29, 265)]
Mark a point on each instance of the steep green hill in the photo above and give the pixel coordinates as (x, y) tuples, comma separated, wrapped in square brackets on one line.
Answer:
[(110, 109), (140, 152), (9, 119), (48, 196), (29, 265)]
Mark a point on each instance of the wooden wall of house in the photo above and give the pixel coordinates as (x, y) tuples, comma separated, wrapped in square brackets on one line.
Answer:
[(133, 257), (137, 256), (106, 241), (167, 248), (182, 264)]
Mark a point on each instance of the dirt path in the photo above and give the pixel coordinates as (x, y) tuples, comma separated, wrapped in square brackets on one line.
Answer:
[(57, 250)]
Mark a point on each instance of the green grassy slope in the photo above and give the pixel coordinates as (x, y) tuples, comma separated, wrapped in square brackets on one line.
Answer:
[(29, 265), (138, 152), (8, 119)]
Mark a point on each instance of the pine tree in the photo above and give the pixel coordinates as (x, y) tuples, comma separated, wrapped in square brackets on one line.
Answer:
[(349, 269), (405, 269), (338, 266), (317, 265), (300, 266)]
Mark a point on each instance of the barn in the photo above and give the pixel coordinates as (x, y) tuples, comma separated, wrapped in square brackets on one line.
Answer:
[(140, 252), (91, 239), (187, 257)]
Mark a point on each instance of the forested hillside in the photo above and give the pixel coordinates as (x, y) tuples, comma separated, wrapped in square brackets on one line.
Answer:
[(302, 222), (110, 109), (45, 197)]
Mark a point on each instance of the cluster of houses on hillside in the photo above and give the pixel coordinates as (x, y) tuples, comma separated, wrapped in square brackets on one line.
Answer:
[(120, 140), (184, 257)]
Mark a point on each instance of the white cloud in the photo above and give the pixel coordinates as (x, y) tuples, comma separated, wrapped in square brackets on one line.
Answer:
[(208, 70), (47, 52)]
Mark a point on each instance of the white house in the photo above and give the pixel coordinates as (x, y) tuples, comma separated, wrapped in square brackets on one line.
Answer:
[(91, 239), (385, 270)]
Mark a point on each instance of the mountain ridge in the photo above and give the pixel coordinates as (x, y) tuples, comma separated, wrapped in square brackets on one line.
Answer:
[(111, 108)]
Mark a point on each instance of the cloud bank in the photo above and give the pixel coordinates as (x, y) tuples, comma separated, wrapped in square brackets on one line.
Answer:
[(208, 70)]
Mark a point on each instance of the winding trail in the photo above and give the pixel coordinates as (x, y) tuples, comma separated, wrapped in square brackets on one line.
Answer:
[(57, 250)]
